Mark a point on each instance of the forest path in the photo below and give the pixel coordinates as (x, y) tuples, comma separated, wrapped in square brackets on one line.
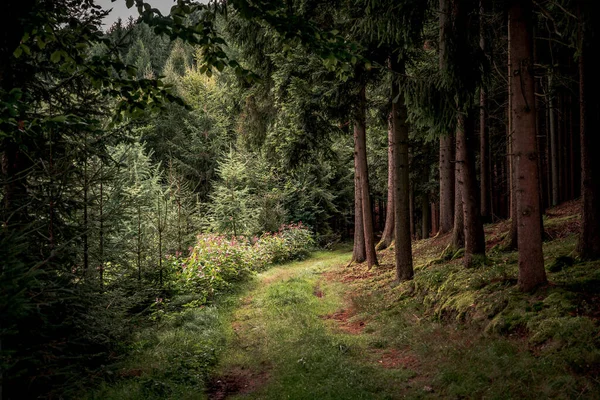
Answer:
[(297, 335)]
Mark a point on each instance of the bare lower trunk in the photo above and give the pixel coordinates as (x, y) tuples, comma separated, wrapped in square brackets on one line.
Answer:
[(513, 233), (458, 232), (474, 236), (359, 253), (435, 215), (425, 212), (531, 260), (101, 245), (387, 237), (589, 239), (553, 146), (411, 211), (446, 184), (403, 247), (484, 148), (360, 141), (447, 149)]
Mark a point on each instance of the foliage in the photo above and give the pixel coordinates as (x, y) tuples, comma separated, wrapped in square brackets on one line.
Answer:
[(291, 242), (216, 261)]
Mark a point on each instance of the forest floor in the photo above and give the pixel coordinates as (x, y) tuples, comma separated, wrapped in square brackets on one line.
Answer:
[(318, 329)]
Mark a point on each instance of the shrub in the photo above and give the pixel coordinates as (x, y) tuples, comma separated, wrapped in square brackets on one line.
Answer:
[(215, 262), (291, 242)]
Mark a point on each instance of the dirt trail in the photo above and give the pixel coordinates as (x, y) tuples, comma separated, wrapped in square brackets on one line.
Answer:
[(303, 308)]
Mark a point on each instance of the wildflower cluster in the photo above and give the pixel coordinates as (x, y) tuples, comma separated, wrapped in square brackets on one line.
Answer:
[(216, 261)]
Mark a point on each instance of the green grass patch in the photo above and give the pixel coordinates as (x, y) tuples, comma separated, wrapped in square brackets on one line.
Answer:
[(285, 331), (173, 357)]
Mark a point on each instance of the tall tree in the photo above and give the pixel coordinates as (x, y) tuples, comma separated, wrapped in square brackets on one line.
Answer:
[(387, 236), (484, 147), (447, 147), (531, 260), (362, 172), (403, 246), (589, 84), (474, 236), (458, 230), (463, 82), (359, 253)]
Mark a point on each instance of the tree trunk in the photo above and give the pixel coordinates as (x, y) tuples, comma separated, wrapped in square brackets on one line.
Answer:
[(403, 246), (553, 145), (387, 237), (446, 184), (360, 139), (435, 215), (589, 85), (458, 232), (101, 244), (359, 253), (484, 147), (426, 213), (411, 211), (446, 141), (531, 260), (86, 250), (513, 233), (474, 235)]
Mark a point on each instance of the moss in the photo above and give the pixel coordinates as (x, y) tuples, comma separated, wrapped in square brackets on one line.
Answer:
[(566, 331), (458, 254), (561, 263)]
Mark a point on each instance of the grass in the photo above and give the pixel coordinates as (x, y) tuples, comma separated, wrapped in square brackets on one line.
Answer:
[(285, 339), (172, 359), (317, 330)]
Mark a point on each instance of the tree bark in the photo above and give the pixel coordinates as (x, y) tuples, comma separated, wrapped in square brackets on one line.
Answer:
[(426, 213), (387, 237), (411, 211), (484, 148), (531, 260), (589, 85), (458, 232), (435, 215), (363, 176), (474, 235), (446, 141), (553, 145), (403, 246), (513, 233), (446, 184), (359, 253)]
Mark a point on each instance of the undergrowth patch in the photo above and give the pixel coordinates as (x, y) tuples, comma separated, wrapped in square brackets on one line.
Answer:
[(474, 333)]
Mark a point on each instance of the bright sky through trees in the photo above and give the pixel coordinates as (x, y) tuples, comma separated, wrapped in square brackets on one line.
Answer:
[(119, 9)]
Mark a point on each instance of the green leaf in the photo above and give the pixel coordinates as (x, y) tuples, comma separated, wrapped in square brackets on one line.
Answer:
[(18, 51), (55, 57), (129, 3), (59, 118)]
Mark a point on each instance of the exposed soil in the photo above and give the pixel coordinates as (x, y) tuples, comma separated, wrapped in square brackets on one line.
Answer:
[(345, 322), (393, 358), (318, 292), (237, 380)]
